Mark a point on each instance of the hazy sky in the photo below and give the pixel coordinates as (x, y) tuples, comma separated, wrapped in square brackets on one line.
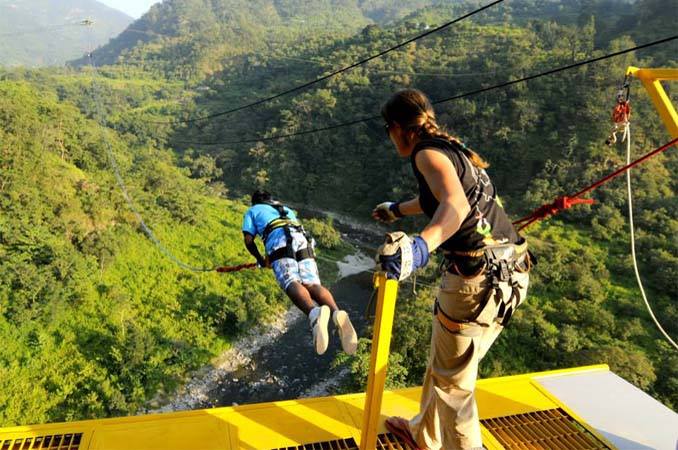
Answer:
[(135, 8)]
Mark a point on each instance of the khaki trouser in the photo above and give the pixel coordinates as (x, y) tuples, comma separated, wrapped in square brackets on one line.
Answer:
[(448, 415)]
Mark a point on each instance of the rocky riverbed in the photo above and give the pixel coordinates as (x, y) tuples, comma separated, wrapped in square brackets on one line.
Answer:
[(277, 361)]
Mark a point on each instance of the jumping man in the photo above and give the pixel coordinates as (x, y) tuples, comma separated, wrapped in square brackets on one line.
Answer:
[(290, 255)]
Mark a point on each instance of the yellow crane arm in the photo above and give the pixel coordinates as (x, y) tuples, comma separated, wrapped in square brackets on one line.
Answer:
[(651, 79)]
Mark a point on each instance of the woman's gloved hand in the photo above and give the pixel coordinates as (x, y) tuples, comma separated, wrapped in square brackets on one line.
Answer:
[(387, 212), (401, 255)]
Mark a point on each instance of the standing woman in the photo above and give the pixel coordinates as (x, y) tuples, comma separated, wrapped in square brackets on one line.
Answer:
[(485, 277)]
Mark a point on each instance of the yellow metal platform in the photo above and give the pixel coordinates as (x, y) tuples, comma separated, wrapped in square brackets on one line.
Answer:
[(298, 423)]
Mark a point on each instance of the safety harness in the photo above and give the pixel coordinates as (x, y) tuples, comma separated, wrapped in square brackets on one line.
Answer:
[(287, 225), (500, 263)]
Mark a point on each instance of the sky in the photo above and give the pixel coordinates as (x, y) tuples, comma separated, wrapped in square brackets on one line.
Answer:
[(134, 8)]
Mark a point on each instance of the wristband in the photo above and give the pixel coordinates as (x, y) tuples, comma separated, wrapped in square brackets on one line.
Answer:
[(395, 209)]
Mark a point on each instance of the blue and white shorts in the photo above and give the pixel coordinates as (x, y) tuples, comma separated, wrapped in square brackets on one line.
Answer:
[(288, 270)]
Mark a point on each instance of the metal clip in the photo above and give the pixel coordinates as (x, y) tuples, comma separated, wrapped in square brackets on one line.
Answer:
[(504, 272)]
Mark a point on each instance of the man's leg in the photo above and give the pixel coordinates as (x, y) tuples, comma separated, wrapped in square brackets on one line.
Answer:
[(318, 316), (300, 296), (322, 296), (308, 271)]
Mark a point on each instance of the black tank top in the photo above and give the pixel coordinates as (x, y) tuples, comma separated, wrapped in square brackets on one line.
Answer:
[(487, 223)]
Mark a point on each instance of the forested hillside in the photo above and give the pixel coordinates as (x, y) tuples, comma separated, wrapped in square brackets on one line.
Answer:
[(188, 39), (96, 321), (47, 33), (544, 138)]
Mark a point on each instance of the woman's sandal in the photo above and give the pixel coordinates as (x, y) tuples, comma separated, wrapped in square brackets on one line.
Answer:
[(401, 429)]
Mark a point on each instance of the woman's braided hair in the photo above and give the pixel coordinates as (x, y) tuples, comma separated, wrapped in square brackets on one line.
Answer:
[(412, 110)]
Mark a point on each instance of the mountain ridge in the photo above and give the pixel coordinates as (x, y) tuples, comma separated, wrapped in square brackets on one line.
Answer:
[(46, 33), (190, 39)]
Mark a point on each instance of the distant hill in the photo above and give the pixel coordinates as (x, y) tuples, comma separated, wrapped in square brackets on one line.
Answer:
[(191, 38), (46, 32)]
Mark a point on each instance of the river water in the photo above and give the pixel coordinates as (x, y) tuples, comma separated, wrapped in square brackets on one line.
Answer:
[(288, 367)]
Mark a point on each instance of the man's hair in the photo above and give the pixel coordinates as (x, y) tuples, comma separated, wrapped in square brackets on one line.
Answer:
[(260, 196)]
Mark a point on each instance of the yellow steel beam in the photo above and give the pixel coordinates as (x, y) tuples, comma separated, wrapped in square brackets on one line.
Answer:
[(290, 423), (381, 343), (651, 79)]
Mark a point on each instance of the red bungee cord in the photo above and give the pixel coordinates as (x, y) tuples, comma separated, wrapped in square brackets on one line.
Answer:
[(227, 269), (568, 201)]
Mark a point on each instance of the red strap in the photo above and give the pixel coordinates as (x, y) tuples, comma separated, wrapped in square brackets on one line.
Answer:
[(237, 268), (566, 202), (553, 208)]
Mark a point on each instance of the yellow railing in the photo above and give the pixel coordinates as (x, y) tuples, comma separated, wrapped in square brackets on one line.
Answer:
[(381, 343)]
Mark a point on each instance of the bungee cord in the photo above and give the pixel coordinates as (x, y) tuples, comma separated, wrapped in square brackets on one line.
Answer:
[(120, 180), (627, 136)]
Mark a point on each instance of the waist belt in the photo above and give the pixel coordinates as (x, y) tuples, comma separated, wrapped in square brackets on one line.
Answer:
[(288, 250), (498, 260), (284, 252)]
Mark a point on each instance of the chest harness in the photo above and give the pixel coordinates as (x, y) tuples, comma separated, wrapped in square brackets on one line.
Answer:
[(500, 262), (287, 224)]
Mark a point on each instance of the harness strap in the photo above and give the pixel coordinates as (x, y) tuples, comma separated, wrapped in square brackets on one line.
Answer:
[(279, 223), (499, 262), (282, 252), (449, 323), (287, 225)]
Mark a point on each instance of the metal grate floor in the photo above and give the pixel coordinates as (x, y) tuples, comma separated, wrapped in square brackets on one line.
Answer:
[(339, 444), (384, 442), (389, 441), (69, 441), (551, 429)]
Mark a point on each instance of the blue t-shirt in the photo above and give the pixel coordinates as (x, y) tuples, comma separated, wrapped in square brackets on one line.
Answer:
[(258, 216)]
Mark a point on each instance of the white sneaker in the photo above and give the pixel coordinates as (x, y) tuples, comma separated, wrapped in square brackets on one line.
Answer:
[(319, 318), (347, 334)]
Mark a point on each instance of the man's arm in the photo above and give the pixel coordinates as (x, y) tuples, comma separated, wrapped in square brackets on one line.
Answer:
[(252, 248)]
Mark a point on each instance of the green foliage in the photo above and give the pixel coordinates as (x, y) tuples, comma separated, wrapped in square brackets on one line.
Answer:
[(189, 39), (324, 233), (95, 321), (359, 366), (543, 139)]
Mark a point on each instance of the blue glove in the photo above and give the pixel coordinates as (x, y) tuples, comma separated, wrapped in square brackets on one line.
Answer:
[(399, 264)]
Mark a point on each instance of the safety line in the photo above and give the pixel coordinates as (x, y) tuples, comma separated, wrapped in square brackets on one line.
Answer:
[(437, 102), (336, 72), (627, 135), (559, 69), (565, 202), (121, 182)]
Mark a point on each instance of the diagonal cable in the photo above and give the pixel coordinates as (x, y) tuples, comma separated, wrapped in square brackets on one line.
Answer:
[(336, 72), (437, 102)]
